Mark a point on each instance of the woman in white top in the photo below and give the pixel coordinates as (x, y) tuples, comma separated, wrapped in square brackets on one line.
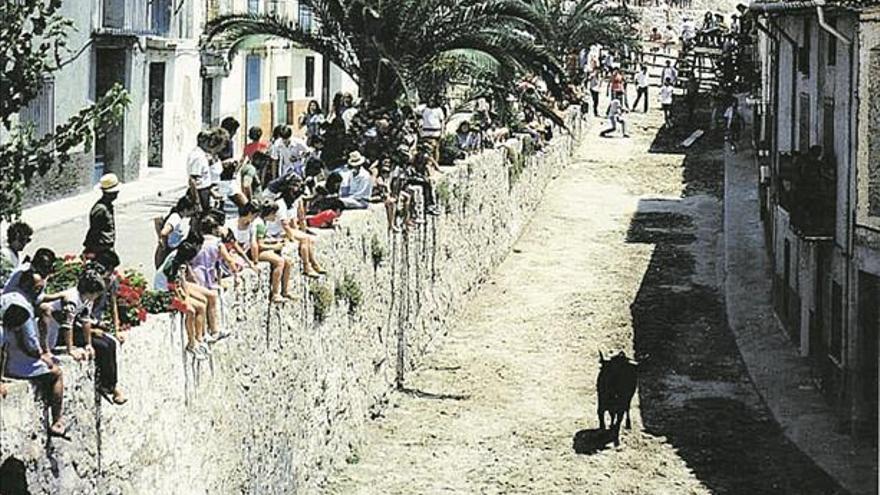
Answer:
[(269, 248)]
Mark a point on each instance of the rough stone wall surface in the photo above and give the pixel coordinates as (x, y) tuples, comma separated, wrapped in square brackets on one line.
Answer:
[(660, 16), (74, 178), (285, 398)]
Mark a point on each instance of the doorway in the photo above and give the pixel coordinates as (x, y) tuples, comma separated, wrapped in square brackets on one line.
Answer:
[(253, 70), (155, 137), (869, 328), (281, 116), (110, 69)]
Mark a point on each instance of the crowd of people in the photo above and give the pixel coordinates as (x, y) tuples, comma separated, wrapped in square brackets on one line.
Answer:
[(82, 320), (248, 206), (603, 71)]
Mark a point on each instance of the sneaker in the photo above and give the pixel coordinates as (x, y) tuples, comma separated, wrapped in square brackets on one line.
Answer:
[(433, 211), (203, 349), (210, 338)]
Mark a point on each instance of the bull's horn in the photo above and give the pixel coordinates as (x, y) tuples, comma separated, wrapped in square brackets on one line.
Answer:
[(601, 357)]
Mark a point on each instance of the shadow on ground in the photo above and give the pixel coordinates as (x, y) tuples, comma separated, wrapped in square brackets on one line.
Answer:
[(694, 389), (587, 442)]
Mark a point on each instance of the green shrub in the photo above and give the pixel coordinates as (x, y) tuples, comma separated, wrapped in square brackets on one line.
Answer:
[(349, 290), (322, 300), (449, 150), (377, 251)]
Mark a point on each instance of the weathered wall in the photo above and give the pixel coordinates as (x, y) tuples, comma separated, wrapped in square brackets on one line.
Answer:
[(285, 398), (73, 178)]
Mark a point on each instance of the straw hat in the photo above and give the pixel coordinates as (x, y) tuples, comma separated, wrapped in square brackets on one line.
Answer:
[(109, 183), (356, 159)]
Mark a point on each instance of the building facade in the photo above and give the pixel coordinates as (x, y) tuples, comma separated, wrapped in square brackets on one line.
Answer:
[(152, 49), (817, 104)]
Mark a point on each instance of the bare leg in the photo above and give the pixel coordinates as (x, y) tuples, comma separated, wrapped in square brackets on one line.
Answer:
[(277, 264), (57, 399)]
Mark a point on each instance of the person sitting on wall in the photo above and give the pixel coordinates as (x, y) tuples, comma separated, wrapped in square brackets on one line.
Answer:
[(171, 277), (357, 183), (25, 357), (467, 140), (18, 235), (104, 341), (69, 310), (292, 214), (270, 247)]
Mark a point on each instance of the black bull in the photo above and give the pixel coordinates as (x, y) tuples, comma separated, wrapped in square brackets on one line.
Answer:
[(615, 387)]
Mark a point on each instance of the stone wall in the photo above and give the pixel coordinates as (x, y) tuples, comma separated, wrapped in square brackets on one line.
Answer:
[(73, 178), (284, 399)]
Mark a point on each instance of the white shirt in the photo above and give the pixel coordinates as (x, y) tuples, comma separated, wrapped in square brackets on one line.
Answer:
[(8, 254), (244, 237), (289, 154), (432, 121), (199, 166), (666, 94), (668, 73), (180, 228), (642, 79)]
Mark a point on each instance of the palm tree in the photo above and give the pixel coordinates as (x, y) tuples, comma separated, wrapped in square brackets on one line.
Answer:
[(393, 48), (582, 23)]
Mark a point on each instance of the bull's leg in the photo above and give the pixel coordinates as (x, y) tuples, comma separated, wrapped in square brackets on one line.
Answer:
[(629, 425), (601, 413), (616, 419)]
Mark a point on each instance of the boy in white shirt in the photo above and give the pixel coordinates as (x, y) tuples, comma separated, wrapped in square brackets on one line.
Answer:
[(642, 83), (666, 93)]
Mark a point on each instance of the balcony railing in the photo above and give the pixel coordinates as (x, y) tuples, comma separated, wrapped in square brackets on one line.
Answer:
[(808, 191), (137, 17)]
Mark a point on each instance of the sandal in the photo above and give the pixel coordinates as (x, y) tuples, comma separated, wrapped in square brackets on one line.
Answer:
[(312, 274), (58, 431), (288, 297), (319, 270), (278, 299)]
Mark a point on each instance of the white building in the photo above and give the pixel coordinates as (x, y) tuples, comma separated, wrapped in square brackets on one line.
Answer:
[(152, 48)]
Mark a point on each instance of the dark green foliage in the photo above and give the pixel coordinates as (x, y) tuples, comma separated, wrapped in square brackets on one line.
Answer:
[(349, 290), (33, 42), (323, 300)]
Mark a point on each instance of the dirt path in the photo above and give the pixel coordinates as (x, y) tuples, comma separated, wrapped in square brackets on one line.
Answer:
[(620, 255)]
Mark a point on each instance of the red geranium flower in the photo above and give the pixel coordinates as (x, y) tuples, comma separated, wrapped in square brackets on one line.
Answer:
[(178, 305), (142, 314)]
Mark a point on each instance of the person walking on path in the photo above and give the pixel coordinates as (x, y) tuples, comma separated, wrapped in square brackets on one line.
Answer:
[(669, 72), (615, 117), (641, 88), (666, 101), (102, 219), (616, 86), (594, 90)]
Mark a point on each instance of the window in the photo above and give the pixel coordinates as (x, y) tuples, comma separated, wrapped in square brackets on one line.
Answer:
[(305, 16), (804, 128), (310, 76), (804, 52), (207, 100), (832, 44), (253, 6), (40, 112)]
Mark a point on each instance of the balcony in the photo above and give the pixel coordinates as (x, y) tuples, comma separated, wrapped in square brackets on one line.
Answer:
[(135, 18), (808, 191)]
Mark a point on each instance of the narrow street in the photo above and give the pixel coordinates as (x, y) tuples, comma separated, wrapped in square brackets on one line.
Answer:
[(621, 255)]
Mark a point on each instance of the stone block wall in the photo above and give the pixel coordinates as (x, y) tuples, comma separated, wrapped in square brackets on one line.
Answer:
[(75, 177), (285, 399)]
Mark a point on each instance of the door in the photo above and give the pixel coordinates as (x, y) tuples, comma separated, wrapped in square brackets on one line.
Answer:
[(252, 90), (110, 67), (155, 137), (207, 101), (325, 83), (804, 121), (281, 116), (869, 327)]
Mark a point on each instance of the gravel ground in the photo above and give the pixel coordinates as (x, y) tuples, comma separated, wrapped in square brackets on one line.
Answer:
[(620, 256)]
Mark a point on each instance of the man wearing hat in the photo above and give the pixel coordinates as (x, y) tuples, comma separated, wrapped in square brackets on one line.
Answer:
[(102, 218), (357, 183)]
